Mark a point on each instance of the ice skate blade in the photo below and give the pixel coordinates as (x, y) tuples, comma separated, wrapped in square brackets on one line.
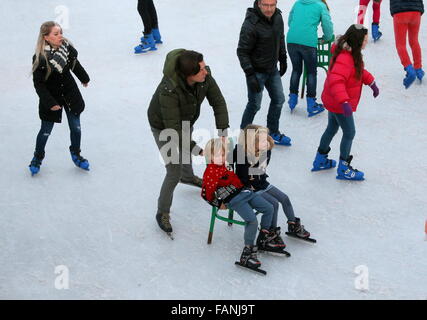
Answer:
[(320, 169), (258, 270), (283, 253), (291, 235), (312, 114), (170, 235), (346, 179)]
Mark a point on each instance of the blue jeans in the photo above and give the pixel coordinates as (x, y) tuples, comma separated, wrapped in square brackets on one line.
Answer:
[(46, 129), (276, 197), (273, 83), (244, 204), (335, 121), (299, 54)]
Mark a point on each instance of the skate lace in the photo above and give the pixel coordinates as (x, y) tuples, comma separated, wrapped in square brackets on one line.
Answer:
[(165, 221)]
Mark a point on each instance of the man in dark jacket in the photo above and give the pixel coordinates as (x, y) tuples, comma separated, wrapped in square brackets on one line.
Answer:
[(173, 110), (261, 46)]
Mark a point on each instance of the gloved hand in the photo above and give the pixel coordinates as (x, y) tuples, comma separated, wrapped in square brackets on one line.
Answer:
[(375, 89), (283, 67), (253, 83), (346, 107)]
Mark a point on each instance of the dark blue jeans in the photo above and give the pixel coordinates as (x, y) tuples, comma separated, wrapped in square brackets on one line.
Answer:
[(273, 84), (299, 54), (276, 197), (244, 204), (46, 129), (335, 121)]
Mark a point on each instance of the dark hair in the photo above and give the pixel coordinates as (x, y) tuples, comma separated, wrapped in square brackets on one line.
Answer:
[(353, 38), (188, 63)]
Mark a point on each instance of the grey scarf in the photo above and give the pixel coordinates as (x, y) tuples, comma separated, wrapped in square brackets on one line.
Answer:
[(57, 58)]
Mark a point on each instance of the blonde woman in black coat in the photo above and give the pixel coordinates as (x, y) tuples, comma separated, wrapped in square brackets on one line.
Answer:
[(55, 57)]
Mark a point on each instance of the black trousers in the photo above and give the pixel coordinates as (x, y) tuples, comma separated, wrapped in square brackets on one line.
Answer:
[(148, 14)]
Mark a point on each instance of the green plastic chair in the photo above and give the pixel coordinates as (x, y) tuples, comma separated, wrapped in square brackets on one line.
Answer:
[(215, 211), (324, 56)]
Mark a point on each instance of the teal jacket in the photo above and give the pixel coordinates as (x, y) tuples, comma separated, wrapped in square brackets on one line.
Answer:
[(304, 18)]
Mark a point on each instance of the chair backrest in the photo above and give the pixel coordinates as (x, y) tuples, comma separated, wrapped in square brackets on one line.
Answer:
[(324, 53)]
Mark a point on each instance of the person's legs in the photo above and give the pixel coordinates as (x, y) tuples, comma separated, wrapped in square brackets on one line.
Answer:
[(75, 129), (275, 91), (254, 101), (329, 133), (376, 6), (363, 6), (240, 204), (144, 12), (265, 208), (281, 197), (349, 131), (297, 65), (275, 203), (414, 28), (173, 173), (401, 24), (153, 14), (42, 136), (309, 55)]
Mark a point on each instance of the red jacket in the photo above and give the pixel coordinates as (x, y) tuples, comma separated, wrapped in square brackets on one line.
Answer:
[(216, 176), (342, 85)]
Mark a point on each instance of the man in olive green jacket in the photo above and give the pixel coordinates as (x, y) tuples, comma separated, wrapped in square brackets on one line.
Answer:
[(173, 110)]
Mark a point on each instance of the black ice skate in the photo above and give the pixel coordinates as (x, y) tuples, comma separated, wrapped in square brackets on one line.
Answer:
[(296, 230), (266, 243), (163, 219), (249, 259)]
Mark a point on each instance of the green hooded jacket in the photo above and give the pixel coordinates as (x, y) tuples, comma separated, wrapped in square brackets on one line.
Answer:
[(174, 102), (304, 18)]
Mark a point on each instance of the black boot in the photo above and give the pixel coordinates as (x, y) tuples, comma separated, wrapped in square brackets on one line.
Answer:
[(249, 257), (163, 219), (277, 239), (296, 228), (78, 160), (36, 162), (266, 241)]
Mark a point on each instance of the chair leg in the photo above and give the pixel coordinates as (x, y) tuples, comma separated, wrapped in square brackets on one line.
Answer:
[(211, 228), (230, 216)]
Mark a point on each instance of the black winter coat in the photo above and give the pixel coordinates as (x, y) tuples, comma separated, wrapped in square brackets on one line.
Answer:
[(397, 6), (262, 41), (60, 88), (257, 181)]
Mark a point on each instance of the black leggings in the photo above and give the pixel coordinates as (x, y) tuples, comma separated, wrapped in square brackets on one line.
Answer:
[(148, 14)]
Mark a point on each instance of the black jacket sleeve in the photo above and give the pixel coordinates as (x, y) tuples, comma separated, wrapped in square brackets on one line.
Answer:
[(46, 99), (247, 41), (282, 51), (76, 67)]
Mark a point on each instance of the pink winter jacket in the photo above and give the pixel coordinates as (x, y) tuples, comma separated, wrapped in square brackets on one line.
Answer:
[(341, 84)]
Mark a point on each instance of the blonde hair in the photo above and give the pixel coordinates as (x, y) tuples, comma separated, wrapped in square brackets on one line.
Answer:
[(213, 147), (249, 139), (45, 30)]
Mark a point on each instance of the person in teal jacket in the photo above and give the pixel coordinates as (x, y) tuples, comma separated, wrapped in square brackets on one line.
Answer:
[(304, 19)]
